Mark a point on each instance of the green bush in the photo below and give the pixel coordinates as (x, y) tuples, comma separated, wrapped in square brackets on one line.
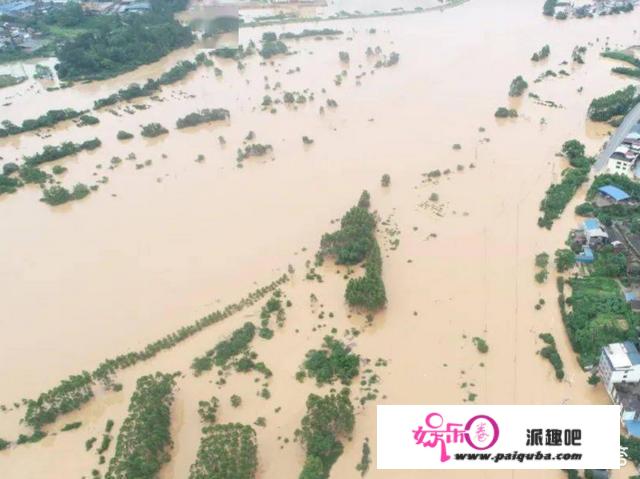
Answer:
[(585, 209), (32, 175), (365, 461), (573, 149), (80, 191), (9, 185), (503, 112), (152, 130), (550, 353), (55, 195), (273, 48), (541, 54), (124, 135), (481, 344), (225, 349), (88, 120), (71, 426), (333, 361), (203, 116), (542, 260), (565, 260), (518, 86), (541, 276), (549, 8), (208, 410)]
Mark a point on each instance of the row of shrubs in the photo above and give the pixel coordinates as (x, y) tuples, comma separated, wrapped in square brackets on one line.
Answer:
[(558, 195), (52, 153), (64, 398), (151, 86), (49, 119), (324, 32), (550, 352), (203, 116)]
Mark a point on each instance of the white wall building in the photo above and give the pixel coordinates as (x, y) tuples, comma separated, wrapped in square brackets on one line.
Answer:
[(622, 160), (619, 362)]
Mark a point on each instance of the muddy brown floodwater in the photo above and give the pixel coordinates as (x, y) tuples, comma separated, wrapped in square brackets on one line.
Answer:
[(156, 248)]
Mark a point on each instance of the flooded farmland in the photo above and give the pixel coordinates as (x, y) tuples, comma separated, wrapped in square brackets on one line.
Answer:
[(167, 239)]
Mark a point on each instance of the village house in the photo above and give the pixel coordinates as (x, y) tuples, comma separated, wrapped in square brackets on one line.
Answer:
[(594, 233), (619, 363), (619, 370), (625, 160)]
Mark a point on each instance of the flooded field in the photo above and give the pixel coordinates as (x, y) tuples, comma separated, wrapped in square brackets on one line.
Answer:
[(159, 245)]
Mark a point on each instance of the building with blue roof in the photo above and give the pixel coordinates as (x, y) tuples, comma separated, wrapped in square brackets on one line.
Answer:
[(591, 224), (627, 395), (614, 193), (594, 233), (585, 256), (16, 7)]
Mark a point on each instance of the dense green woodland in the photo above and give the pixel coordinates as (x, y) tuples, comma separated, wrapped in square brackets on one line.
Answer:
[(618, 103), (334, 361), (113, 44), (353, 243), (328, 419), (227, 451), (145, 437), (558, 195)]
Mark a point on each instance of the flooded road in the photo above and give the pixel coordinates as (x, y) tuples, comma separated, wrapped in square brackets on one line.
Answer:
[(159, 246)]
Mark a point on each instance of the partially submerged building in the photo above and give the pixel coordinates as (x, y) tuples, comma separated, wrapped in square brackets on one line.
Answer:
[(625, 160), (619, 363)]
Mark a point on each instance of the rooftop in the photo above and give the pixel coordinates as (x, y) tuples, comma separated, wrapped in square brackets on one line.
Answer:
[(628, 396), (622, 355), (592, 224), (614, 192)]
